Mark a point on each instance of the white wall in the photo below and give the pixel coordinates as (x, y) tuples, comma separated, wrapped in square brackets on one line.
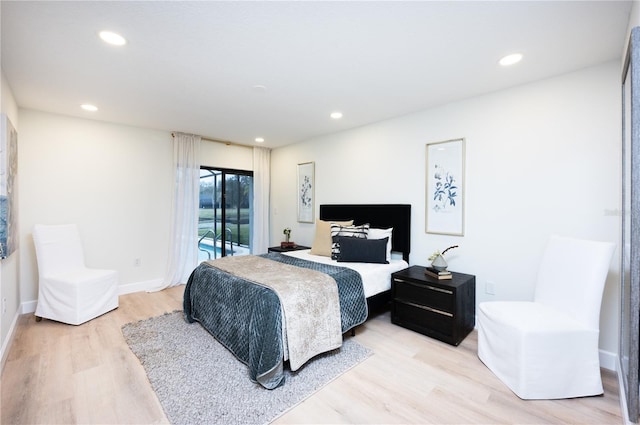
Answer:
[(540, 159), (114, 181), (213, 154)]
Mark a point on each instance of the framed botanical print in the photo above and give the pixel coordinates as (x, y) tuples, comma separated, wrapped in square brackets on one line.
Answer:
[(445, 187), (306, 187)]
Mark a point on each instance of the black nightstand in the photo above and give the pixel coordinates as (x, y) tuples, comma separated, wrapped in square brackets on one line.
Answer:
[(440, 308), (294, 248)]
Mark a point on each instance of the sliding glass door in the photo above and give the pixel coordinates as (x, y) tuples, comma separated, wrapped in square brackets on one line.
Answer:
[(224, 225)]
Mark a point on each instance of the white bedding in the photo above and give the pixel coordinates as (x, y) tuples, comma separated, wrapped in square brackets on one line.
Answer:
[(376, 278)]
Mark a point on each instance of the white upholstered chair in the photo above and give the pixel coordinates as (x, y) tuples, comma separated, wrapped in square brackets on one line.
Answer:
[(548, 348), (69, 292)]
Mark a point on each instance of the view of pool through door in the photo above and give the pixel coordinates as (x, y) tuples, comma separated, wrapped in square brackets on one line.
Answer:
[(225, 211)]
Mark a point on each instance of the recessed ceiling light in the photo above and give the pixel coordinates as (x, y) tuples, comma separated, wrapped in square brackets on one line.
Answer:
[(259, 139), (511, 59), (336, 115), (112, 38), (89, 107)]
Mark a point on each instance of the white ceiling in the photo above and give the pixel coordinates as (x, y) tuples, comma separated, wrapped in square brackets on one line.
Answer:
[(193, 66)]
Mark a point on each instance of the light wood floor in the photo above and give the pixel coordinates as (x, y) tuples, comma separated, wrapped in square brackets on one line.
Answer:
[(64, 374)]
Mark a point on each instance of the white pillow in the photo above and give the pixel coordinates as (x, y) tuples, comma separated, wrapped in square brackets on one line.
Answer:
[(381, 234)]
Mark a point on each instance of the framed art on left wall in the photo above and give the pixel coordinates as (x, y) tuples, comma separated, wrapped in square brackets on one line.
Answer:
[(306, 187), (8, 199)]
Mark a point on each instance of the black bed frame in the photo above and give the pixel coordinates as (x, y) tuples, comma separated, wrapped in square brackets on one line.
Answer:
[(381, 216)]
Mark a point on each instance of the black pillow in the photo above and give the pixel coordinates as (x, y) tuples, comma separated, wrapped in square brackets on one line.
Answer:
[(356, 250)]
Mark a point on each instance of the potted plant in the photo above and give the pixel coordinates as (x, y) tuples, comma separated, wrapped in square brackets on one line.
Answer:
[(437, 259), (287, 236)]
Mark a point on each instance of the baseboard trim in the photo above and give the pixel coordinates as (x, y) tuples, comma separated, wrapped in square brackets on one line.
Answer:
[(8, 341), (147, 285), (608, 360), (127, 288), (28, 307)]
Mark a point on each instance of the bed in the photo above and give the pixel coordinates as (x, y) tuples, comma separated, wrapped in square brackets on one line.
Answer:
[(275, 308)]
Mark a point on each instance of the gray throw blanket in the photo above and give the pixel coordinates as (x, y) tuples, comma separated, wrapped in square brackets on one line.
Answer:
[(308, 301), (247, 318)]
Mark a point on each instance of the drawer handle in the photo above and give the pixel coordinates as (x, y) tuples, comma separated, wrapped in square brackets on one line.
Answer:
[(433, 310), (433, 288), (446, 291)]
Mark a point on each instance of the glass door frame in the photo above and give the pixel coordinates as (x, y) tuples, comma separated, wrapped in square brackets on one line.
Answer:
[(223, 173), (629, 330)]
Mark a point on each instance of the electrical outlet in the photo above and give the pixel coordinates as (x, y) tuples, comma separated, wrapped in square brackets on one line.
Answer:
[(490, 288), (137, 262), (4, 305)]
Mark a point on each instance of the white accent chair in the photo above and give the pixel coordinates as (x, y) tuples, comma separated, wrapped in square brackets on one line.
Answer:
[(69, 292), (548, 348)]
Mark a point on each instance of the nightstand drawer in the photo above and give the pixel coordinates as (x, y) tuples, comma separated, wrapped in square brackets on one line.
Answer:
[(422, 319), (424, 294)]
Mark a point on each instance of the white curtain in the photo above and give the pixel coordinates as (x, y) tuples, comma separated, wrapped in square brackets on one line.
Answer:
[(183, 242), (261, 183)]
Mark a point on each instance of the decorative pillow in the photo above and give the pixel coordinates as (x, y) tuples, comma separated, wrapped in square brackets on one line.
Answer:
[(356, 250), (322, 241), (381, 234), (352, 231)]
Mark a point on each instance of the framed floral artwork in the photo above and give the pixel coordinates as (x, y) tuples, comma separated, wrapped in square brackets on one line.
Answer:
[(445, 187), (306, 187)]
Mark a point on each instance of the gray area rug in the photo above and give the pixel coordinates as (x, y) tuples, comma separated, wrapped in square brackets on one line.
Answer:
[(198, 381)]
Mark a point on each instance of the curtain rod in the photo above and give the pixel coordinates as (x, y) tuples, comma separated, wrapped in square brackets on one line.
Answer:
[(226, 142)]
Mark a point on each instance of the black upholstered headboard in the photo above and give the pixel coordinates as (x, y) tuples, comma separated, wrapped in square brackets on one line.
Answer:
[(397, 216)]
